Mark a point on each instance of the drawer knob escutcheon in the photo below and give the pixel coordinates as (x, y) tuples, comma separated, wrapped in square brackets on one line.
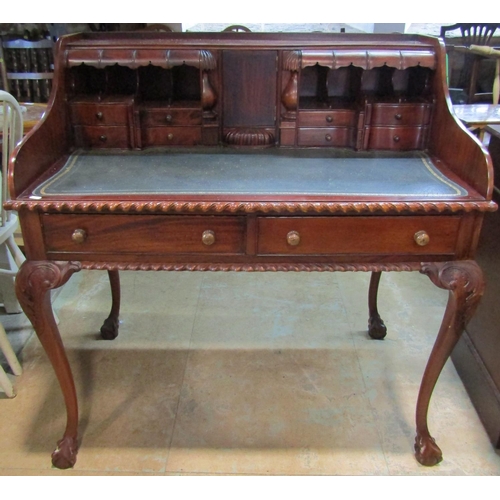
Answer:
[(79, 235), (208, 237), (293, 238), (99, 115), (421, 238)]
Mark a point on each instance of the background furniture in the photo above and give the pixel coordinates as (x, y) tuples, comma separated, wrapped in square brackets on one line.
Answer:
[(478, 116), (29, 69), (479, 34), (288, 152), (10, 255)]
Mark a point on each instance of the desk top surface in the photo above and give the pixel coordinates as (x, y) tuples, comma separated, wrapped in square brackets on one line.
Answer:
[(257, 173)]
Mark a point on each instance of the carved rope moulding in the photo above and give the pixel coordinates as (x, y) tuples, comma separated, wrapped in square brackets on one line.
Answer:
[(250, 207)]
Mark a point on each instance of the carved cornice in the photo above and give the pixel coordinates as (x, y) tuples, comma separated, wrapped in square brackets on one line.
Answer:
[(346, 207), (251, 267)]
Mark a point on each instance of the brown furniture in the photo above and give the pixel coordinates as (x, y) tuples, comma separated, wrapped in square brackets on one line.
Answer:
[(476, 354), (267, 152), (29, 69)]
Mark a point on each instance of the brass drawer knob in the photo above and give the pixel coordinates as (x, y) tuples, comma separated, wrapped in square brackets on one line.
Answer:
[(421, 238), (103, 138), (99, 115), (169, 118), (398, 116), (396, 138), (293, 238), (170, 137), (208, 237), (328, 137), (79, 235), (329, 119)]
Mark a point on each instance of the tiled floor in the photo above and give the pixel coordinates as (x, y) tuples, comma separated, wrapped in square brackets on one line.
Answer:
[(244, 373)]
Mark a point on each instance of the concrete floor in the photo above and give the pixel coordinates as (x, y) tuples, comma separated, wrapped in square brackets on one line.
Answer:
[(243, 373)]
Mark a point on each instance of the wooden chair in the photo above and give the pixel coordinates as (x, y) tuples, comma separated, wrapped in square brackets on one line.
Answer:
[(29, 69), (238, 28), (472, 37), (12, 133)]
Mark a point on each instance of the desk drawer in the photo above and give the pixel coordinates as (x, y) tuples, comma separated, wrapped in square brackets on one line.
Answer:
[(102, 137), (99, 114), (401, 114), (334, 136), (168, 117), (140, 234), (330, 118), (397, 138), (356, 235), (171, 136)]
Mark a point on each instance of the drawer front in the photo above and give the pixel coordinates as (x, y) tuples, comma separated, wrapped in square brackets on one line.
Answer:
[(397, 138), (331, 118), (168, 117), (102, 137), (139, 234), (401, 114), (171, 136), (338, 137), (99, 114), (356, 235)]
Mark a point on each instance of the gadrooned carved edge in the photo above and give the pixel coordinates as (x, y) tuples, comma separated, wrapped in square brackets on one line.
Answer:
[(249, 207), (256, 267)]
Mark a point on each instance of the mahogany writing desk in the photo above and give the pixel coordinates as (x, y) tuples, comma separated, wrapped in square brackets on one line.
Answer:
[(250, 152)]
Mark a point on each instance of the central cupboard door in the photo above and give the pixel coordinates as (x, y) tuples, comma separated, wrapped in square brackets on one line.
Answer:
[(249, 88)]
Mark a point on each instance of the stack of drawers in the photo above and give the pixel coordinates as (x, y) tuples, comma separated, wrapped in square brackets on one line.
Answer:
[(163, 126), (105, 123), (397, 126), (333, 127)]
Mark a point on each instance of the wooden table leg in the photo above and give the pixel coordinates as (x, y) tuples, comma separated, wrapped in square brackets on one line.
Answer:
[(465, 282), (109, 330), (34, 281), (376, 326)]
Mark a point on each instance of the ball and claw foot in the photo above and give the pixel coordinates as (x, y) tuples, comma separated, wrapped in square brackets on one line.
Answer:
[(376, 328), (109, 329), (427, 452), (64, 456)]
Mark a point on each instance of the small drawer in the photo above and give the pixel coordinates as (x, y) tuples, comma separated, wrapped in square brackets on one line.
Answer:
[(99, 114), (384, 235), (401, 114), (397, 138), (331, 118), (171, 136), (168, 117), (335, 136), (102, 137), (143, 234)]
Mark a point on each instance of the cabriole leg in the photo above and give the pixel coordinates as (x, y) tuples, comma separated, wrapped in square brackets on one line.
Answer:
[(34, 281), (376, 327), (109, 330), (464, 280)]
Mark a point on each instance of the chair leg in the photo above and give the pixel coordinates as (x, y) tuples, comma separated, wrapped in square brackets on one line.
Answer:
[(9, 353), (109, 330), (376, 327)]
